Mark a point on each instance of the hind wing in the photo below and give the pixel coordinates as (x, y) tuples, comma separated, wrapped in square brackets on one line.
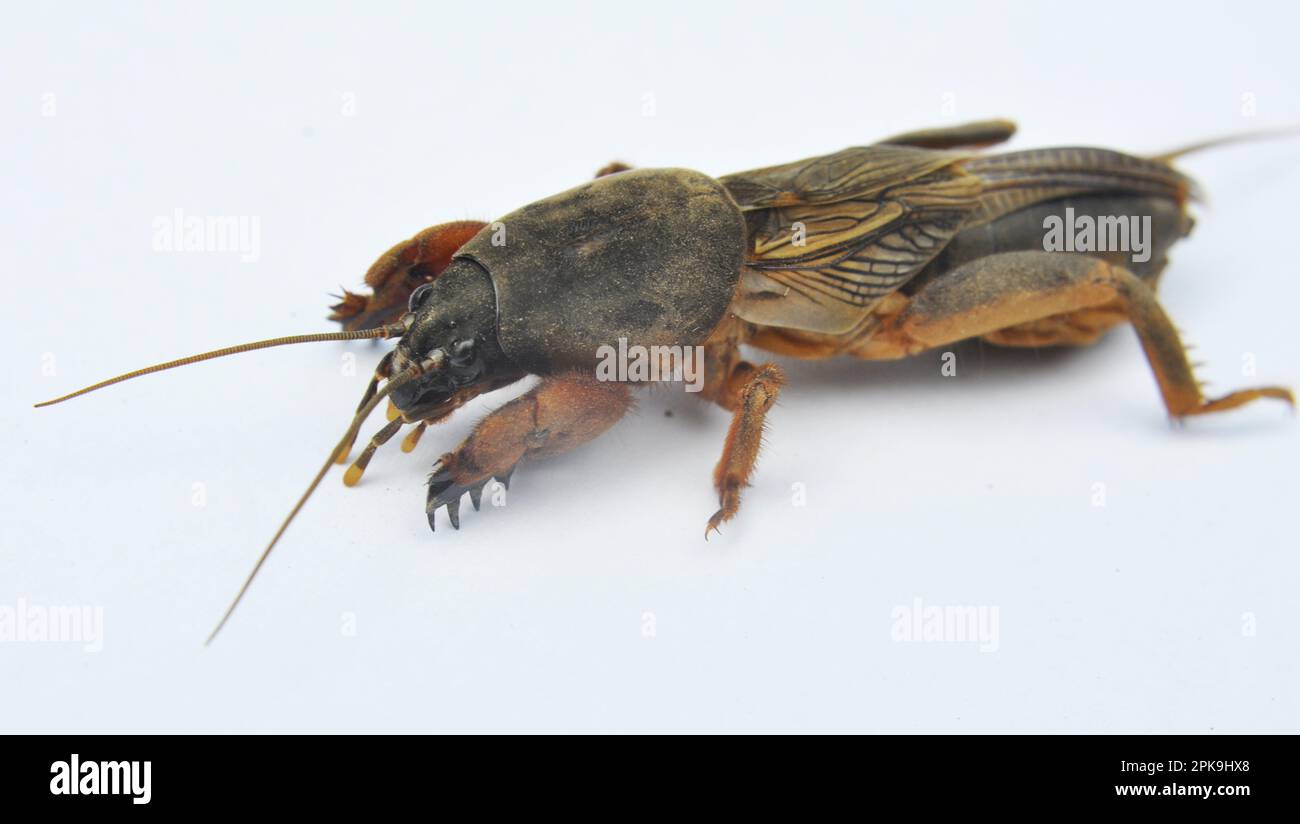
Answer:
[(1015, 180)]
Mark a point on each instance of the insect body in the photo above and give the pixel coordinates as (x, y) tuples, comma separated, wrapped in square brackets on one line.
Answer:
[(875, 252)]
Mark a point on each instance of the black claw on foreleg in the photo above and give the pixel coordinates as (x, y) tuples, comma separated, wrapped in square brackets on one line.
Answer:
[(443, 491)]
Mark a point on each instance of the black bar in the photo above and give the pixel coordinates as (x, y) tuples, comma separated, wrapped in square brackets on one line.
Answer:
[(319, 773)]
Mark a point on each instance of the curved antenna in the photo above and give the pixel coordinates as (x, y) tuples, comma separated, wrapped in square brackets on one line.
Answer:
[(388, 331), (410, 373)]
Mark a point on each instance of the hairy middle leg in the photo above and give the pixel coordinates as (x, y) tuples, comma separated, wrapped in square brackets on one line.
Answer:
[(748, 392)]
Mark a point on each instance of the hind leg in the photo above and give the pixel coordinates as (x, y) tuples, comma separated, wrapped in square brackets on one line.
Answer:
[(1014, 289)]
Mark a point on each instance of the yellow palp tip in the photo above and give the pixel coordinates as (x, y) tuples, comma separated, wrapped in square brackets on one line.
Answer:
[(353, 475), (393, 413), (412, 438)]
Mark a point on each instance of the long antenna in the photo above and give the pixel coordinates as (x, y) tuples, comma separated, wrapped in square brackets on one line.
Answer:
[(406, 375), (387, 331)]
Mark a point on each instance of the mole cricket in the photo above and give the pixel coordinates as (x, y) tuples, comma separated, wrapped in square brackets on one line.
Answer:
[(875, 252)]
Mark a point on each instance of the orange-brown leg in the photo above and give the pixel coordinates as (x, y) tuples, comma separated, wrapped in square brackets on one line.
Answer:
[(1016, 288), (558, 414), (748, 391)]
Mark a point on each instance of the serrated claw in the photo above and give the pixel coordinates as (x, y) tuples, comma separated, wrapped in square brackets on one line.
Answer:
[(442, 491), (445, 492), (442, 488)]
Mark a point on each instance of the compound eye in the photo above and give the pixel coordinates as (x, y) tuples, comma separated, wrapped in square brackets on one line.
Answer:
[(418, 297), (462, 352)]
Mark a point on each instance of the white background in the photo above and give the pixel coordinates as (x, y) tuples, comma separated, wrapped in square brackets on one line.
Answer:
[(975, 490)]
